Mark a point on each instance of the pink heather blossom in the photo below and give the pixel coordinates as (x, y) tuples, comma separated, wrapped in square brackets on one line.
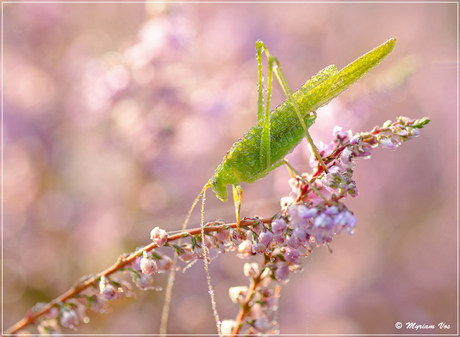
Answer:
[(69, 318), (107, 291), (282, 273), (159, 236), (148, 265)]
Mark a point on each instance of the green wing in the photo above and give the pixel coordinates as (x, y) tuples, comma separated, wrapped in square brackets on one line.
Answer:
[(355, 70)]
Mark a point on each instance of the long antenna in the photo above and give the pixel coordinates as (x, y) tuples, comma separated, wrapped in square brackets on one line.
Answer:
[(172, 273)]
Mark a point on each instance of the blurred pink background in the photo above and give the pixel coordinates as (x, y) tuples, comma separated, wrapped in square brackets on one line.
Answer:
[(115, 116)]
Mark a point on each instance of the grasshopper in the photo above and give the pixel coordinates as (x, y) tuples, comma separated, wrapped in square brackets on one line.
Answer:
[(264, 146)]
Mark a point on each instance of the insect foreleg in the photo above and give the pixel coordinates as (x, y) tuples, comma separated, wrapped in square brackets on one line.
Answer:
[(237, 198)]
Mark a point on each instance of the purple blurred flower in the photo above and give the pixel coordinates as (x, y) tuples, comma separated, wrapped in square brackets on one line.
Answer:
[(292, 255), (282, 273), (69, 318), (265, 238)]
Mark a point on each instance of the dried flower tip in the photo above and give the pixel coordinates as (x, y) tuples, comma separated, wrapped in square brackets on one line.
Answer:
[(245, 248), (251, 269), (164, 264), (159, 236), (237, 293), (227, 327)]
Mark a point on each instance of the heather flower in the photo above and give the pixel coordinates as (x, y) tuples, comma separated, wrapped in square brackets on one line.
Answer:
[(293, 241), (251, 269), (292, 255), (136, 264), (159, 236), (227, 327), (305, 213), (258, 248), (282, 273), (78, 307), (222, 235), (286, 201), (144, 281), (234, 236), (279, 226), (269, 299), (49, 327), (52, 313), (245, 249), (198, 252), (345, 220), (262, 325), (125, 289), (256, 311), (265, 238), (301, 234), (279, 239), (237, 293), (148, 265), (185, 254), (69, 318), (322, 229), (341, 136), (164, 264), (97, 304), (389, 143), (107, 291)]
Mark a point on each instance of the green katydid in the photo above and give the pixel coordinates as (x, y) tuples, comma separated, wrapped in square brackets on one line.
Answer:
[(264, 146)]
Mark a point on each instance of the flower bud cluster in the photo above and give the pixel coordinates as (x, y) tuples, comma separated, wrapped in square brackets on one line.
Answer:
[(312, 215), (340, 156)]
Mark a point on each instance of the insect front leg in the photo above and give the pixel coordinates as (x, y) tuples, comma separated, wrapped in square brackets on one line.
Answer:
[(237, 198)]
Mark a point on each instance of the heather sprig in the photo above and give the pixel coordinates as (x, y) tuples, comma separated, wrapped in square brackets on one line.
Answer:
[(309, 217)]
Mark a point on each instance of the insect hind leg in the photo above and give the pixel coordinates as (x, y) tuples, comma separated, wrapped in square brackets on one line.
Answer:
[(275, 67)]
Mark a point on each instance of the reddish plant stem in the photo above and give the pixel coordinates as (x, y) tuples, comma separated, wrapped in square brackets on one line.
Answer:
[(246, 306), (122, 261)]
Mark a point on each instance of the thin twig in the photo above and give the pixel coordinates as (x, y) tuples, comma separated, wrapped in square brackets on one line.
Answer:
[(122, 261)]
